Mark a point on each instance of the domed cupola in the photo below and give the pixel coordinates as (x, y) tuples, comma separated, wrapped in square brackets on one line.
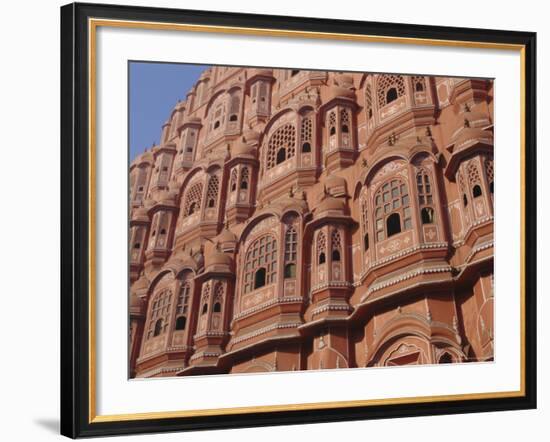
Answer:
[(139, 229), (338, 112), (243, 172)]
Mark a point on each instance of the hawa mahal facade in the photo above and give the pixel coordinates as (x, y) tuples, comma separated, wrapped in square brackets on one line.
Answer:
[(298, 220)]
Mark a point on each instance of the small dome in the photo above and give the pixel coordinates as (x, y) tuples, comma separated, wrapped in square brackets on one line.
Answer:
[(218, 258), (332, 204), (136, 302), (335, 181), (227, 236), (141, 284), (469, 135), (252, 135), (140, 214), (338, 91), (241, 148)]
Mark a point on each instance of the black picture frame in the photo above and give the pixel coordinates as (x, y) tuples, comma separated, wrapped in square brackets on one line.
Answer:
[(76, 418)]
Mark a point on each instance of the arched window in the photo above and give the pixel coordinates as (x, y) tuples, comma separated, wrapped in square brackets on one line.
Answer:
[(158, 327), (233, 180), (393, 224), (234, 105), (261, 263), (212, 193), (446, 358), (366, 241), (193, 200), (389, 88), (218, 297), (291, 246), (244, 178), (419, 83), (391, 95), (259, 278), (321, 248), (465, 200), (332, 123), (476, 191), (392, 198), (425, 197), (137, 245), (281, 155), (159, 313), (181, 322), (474, 179), (344, 121), (336, 245), (427, 215), (306, 133), (294, 72), (204, 308), (281, 146)]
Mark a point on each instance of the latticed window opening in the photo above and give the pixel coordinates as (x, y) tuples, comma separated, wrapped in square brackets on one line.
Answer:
[(234, 105), (218, 297), (306, 134), (344, 121), (392, 199), (158, 316), (282, 145), (332, 123), (368, 101), (182, 305), (390, 88), (233, 180), (291, 245), (425, 197), (212, 193), (365, 219), (261, 263), (490, 173), (204, 298), (321, 248), (244, 178), (474, 179), (419, 83), (193, 200), (336, 245)]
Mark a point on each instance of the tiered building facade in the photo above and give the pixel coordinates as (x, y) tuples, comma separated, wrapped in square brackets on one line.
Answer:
[(297, 220)]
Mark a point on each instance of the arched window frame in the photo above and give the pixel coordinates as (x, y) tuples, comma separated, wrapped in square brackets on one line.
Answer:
[(291, 252), (283, 137), (262, 253), (233, 180), (212, 192), (321, 248), (426, 204), (336, 246), (391, 197), (193, 199), (306, 132), (387, 82), (160, 309), (245, 179), (182, 305)]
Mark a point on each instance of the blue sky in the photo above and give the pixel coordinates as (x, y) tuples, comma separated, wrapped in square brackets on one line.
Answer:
[(155, 88)]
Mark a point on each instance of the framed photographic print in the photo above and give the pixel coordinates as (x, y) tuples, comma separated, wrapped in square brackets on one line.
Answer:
[(279, 220)]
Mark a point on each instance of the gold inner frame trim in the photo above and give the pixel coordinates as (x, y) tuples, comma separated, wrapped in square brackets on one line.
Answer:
[(93, 24)]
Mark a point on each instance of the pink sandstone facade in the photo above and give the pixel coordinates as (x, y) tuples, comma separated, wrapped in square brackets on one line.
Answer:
[(298, 220)]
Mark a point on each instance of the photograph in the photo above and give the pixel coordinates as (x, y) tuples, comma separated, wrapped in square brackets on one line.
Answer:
[(291, 220)]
